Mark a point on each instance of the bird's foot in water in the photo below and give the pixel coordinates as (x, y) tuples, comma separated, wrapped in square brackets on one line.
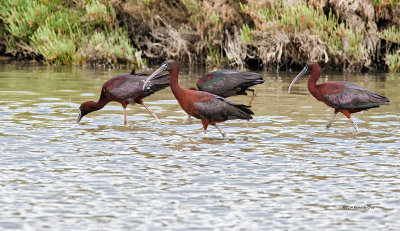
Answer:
[(354, 124), (223, 134), (328, 125)]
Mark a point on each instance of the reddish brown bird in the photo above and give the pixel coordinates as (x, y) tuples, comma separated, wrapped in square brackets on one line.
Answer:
[(344, 97), (207, 107), (125, 89), (226, 83)]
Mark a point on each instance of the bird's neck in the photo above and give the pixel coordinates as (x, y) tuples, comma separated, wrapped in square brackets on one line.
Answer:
[(312, 82), (94, 106), (173, 82)]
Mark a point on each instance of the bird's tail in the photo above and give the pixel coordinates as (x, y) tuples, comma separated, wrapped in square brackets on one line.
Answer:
[(238, 111), (244, 112), (376, 100), (249, 76), (380, 98), (248, 79)]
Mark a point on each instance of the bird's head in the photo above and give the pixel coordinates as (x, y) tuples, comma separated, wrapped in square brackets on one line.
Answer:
[(166, 66), (310, 66), (84, 109)]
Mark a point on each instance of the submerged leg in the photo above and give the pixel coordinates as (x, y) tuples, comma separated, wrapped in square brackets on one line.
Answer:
[(205, 125), (254, 95), (347, 114), (333, 117), (151, 112), (219, 129), (354, 124)]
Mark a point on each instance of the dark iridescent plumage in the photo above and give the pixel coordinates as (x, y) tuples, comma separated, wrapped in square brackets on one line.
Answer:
[(125, 89), (350, 96), (218, 108), (129, 87), (226, 83), (207, 107), (345, 97)]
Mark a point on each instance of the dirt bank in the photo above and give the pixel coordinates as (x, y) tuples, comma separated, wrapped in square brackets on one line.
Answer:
[(347, 35), (351, 35)]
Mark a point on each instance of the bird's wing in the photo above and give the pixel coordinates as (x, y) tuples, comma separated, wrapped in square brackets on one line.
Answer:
[(130, 86), (217, 108), (225, 82), (348, 95), (216, 83), (125, 86)]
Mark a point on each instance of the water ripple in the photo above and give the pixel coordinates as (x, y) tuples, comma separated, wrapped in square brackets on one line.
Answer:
[(281, 170)]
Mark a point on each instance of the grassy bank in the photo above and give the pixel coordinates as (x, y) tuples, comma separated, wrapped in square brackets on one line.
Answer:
[(65, 32), (355, 35)]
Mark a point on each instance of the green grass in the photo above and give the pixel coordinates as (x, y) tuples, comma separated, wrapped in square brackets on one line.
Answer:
[(388, 3), (54, 45), (62, 32), (214, 57), (392, 35), (393, 62), (342, 41), (245, 34)]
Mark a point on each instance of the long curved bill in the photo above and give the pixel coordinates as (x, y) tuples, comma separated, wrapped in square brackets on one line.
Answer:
[(303, 72), (79, 116), (155, 73)]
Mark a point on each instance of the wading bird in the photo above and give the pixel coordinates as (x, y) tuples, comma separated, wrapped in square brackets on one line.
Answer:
[(207, 107), (343, 96), (125, 89), (226, 83)]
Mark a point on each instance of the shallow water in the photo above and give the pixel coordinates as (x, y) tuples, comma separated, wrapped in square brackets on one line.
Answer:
[(281, 170)]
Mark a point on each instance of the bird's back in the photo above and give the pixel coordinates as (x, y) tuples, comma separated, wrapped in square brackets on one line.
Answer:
[(130, 86), (227, 82), (204, 105), (345, 95)]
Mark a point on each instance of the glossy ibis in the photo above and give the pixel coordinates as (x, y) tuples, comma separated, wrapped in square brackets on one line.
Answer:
[(226, 83), (343, 96), (125, 89), (207, 107)]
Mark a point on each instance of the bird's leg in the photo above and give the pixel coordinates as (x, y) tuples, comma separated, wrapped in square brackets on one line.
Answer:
[(354, 124), (333, 117), (205, 125), (125, 117), (254, 95), (347, 114), (151, 112), (219, 129), (189, 118)]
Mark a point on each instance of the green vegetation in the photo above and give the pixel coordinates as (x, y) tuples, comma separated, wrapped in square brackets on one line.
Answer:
[(65, 32), (390, 3), (320, 36), (392, 36), (393, 61), (275, 34)]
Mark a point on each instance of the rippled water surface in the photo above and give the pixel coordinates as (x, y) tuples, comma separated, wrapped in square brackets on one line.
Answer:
[(281, 170)]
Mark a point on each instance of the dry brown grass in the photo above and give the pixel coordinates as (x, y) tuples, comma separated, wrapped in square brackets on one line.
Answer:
[(208, 32)]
